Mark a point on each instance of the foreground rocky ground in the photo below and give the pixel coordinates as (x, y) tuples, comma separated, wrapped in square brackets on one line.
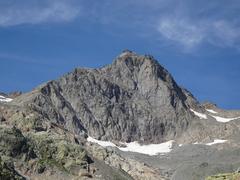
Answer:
[(35, 149)]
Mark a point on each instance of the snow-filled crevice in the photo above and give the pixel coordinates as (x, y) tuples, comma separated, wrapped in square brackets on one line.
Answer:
[(200, 115), (224, 120), (211, 111)]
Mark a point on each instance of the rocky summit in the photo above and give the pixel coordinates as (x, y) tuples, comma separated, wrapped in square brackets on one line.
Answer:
[(133, 99), (126, 120)]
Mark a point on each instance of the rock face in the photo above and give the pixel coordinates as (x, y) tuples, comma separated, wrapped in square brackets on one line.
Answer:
[(134, 98), (132, 167)]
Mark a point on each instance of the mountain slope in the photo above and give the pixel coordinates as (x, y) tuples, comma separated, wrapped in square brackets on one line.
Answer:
[(133, 99), (55, 130)]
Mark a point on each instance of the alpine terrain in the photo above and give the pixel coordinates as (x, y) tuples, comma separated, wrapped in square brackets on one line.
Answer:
[(126, 120)]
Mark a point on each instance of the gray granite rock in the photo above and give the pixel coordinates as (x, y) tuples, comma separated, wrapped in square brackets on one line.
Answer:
[(134, 98)]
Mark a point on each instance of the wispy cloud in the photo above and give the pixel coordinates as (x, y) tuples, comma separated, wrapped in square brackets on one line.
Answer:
[(187, 23), (181, 31), (191, 33), (35, 12), (225, 34)]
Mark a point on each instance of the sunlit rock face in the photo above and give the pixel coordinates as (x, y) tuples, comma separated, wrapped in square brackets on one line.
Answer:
[(132, 99)]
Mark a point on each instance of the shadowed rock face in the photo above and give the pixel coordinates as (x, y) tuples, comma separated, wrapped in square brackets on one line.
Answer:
[(134, 98)]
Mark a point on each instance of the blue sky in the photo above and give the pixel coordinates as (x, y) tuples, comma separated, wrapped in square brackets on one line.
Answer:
[(197, 41)]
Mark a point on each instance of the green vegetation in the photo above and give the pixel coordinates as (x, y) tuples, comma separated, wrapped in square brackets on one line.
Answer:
[(225, 176), (49, 150), (55, 151), (7, 171), (12, 142), (26, 122)]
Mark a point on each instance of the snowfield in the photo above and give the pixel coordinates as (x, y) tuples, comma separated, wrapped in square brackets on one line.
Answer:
[(224, 120), (211, 111), (216, 141), (200, 115), (150, 149), (101, 143), (218, 118), (4, 99)]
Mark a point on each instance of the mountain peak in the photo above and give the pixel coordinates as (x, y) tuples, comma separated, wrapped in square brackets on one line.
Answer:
[(126, 52), (132, 99), (142, 70), (134, 61)]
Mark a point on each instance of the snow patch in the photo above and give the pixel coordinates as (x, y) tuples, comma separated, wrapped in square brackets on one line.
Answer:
[(200, 115), (224, 120), (150, 149), (4, 99), (211, 111), (216, 141), (101, 143)]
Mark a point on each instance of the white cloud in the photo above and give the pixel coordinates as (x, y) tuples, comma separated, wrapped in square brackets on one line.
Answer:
[(34, 13), (191, 33), (181, 31), (225, 34), (187, 24)]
